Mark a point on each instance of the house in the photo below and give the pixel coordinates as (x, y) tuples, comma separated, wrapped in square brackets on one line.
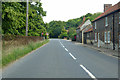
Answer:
[(106, 27), (78, 35), (88, 35), (83, 29)]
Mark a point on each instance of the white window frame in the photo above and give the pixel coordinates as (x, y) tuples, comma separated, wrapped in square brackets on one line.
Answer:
[(106, 21), (95, 25), (105, 37), (108, 36), (95, 37)]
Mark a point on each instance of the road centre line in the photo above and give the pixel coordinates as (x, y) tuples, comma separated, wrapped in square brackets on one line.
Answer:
[(72, 56), (89, 73), (67, 51)]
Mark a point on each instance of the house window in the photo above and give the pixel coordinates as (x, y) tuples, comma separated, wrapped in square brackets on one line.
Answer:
[(105, 37), (119, 17), (95, 26), (96, 37), (108, 36), (106, 21), (119, 40), (88, 35)]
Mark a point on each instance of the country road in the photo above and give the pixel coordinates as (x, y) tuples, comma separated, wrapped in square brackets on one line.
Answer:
[(63, 59)]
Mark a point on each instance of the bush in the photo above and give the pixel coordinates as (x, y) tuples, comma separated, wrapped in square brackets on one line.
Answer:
[(73, 37)]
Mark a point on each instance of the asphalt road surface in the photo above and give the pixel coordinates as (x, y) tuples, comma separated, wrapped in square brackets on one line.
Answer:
[(63, 59)]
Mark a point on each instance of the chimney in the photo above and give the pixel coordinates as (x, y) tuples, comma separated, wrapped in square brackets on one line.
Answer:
[(83, 19), (107, 6)]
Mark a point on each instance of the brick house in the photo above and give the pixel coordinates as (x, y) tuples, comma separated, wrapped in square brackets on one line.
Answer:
[(106, 27)]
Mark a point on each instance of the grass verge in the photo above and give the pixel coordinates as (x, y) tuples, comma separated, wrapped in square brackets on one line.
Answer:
[(21, 51)]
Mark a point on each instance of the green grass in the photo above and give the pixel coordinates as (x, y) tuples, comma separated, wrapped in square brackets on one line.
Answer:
[(21, 51)]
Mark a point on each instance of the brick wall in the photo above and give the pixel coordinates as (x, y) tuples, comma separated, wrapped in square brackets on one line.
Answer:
[(101, 28)]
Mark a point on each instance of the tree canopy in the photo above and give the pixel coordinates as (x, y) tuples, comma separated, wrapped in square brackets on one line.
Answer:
[(56, 27), (14, 18)]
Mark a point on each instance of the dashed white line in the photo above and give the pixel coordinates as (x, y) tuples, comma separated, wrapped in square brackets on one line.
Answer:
[(66, 49), (72, 56), (89, 73)]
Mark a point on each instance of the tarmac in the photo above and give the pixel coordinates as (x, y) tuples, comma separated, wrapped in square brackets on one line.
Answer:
[(109, 52)]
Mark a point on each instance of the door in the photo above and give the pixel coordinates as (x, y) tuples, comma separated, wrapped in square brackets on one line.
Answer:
[(98, 39)]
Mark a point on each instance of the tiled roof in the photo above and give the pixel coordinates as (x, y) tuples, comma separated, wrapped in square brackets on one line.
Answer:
[(81, 23), (88, 22), (110, 10), (91, 29)]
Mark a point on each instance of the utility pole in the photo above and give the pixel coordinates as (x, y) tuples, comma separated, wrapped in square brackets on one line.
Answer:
[(27, 19)]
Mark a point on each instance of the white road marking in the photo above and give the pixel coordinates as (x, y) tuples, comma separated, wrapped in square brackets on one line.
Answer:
[(89, 73), (72, 56), (66, 49)]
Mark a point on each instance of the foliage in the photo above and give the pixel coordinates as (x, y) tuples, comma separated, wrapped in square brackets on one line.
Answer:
[(63, 34), (77, 21), (72, 31), (14, 18), (55, 28), (73, 37)]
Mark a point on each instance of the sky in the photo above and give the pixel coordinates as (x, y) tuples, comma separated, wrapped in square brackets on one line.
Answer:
[(69, 9)]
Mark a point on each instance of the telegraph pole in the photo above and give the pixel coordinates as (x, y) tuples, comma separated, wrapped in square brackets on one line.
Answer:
[(27, 19)]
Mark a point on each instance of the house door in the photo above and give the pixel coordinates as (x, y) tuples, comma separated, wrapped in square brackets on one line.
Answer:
[(98, 39)]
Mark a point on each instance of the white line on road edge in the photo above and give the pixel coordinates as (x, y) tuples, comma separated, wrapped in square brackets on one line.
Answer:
[(72, 56), (66, 49), (89, 73)]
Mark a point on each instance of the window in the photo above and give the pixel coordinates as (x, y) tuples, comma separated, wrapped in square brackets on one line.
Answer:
[(119, 17), (119, 40), (96, 37), (95, 25), (88, 35), (105, 37), (106, 21), (108, 36)]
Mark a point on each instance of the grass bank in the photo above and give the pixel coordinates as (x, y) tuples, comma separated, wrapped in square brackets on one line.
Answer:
[(21, 51)]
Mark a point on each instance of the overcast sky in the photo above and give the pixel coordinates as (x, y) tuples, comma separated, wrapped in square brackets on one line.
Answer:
[(68, 9)]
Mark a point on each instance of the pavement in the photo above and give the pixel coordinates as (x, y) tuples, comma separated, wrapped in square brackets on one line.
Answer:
[(63, 59)]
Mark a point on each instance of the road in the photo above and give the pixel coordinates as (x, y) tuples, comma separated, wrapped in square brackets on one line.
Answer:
[(63, 59)]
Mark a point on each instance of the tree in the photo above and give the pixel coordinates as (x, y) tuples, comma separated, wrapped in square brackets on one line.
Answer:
[(71, 31), (55, 28), (14, 18), (63, 34)]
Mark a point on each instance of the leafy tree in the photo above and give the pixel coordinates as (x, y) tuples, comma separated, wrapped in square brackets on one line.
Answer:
[(55, 28), (14, 18), (63, 34), (71, 31)]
